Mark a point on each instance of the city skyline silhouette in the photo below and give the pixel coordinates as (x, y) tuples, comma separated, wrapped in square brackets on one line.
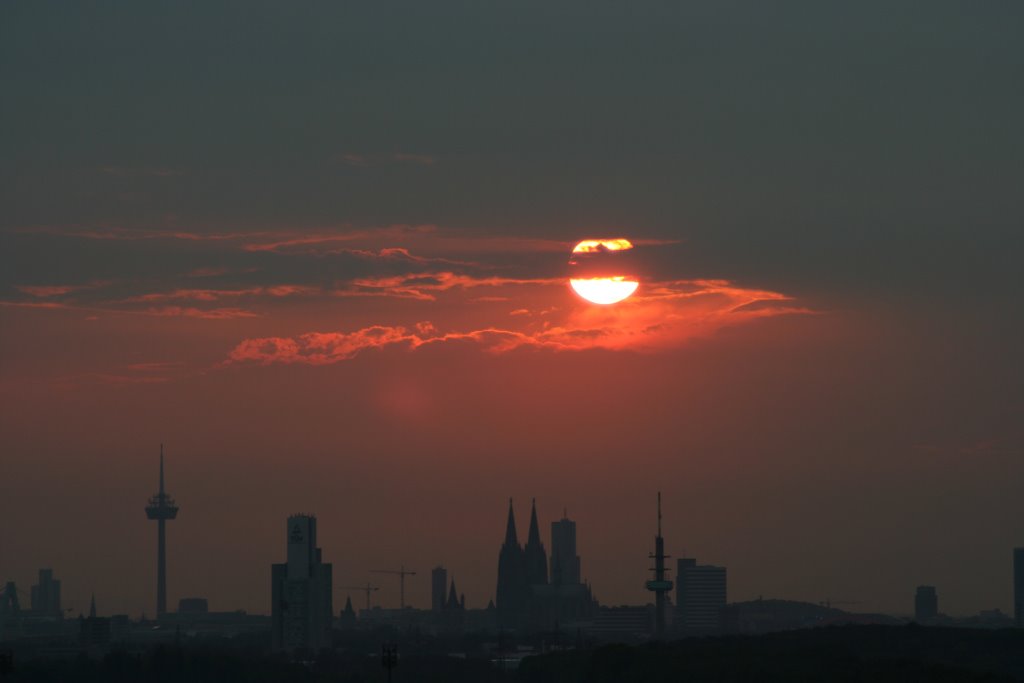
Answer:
[(529, 551)]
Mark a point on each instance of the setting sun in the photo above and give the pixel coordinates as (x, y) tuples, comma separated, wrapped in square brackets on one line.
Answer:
[(598, 272), (604, 290), (592, 246)]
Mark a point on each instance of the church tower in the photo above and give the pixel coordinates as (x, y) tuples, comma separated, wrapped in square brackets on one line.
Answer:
[(511, 595), (535, 557)]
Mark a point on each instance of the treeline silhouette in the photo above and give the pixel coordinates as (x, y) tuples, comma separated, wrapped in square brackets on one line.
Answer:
[(847, 654), (843, 653)]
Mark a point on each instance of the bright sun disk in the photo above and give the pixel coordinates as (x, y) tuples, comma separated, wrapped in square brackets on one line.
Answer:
[(604, 290)]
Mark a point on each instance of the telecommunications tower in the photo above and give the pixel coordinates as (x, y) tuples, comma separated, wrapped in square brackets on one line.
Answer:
[(161, 507), (659, 585)]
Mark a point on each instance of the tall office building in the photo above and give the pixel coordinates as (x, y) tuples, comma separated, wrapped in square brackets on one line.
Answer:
[(1018, 587), (700, 597), (565, 563), (46, 595), (438, 583), (301, 605), (926, 603)]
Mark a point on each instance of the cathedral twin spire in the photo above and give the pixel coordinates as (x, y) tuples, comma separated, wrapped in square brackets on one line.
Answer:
[(520, 568), (534, 554), (510, 528), (533, 537)]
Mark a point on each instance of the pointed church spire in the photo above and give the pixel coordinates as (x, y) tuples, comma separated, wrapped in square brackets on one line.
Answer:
[(534, 554), (510, 529), (453, 600), (534, 537)]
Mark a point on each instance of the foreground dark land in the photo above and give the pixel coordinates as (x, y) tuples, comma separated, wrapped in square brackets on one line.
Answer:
[(848, 653)]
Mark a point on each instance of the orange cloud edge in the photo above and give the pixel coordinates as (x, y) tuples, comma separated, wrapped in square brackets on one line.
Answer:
[(669, 316)]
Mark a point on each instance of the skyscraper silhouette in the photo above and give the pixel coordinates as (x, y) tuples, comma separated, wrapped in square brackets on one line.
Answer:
[(161, 507), (438, 585), (700, 598), (565, 563), (301, 600), (46, 595)]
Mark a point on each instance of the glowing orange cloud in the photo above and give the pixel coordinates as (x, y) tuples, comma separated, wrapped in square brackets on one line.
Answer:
[(698, 309), (275, 291)]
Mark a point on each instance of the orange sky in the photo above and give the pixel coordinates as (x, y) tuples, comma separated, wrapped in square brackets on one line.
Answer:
[(404, 406)]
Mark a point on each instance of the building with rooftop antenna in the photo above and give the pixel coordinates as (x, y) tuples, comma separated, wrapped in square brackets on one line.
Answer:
[(301, 592), (565, 563), (161, 507)]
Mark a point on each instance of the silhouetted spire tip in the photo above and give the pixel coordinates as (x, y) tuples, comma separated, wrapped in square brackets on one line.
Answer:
[(534, 534), (510, 528)]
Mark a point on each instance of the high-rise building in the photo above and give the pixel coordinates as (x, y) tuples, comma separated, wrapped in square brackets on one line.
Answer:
[(926, 603), (534, 555), (565, 563), (700, 597), (1018, 587), (46, 595), (438, 583), (565, 600), (301, 604)]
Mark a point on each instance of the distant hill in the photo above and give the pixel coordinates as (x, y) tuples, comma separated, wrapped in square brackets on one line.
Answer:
[(767, 616)]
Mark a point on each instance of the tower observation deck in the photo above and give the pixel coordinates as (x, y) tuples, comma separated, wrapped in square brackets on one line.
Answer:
[(161, 507), (660, 584)]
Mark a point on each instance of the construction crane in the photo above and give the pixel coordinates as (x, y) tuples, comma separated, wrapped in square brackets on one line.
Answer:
[(366, 589), (402, 573)]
